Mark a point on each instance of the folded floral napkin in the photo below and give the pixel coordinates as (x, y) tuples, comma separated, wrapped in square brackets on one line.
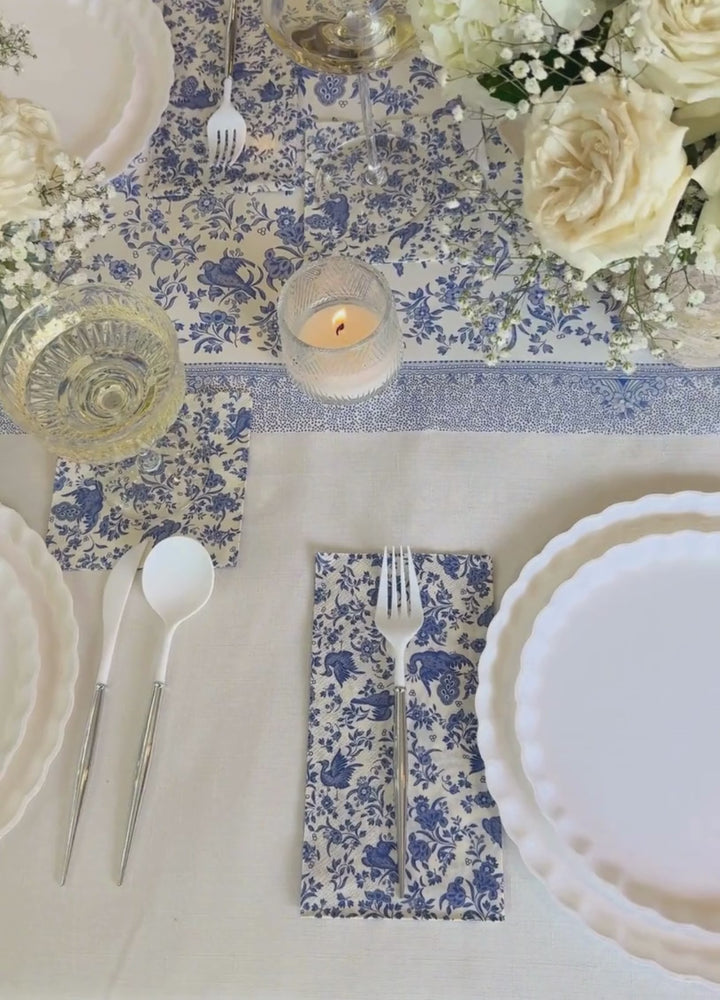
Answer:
[(454, 857), (419, 208), (264, 91), (99, 511)]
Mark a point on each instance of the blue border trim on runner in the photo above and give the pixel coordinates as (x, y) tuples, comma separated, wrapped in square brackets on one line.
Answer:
[(552, 398)]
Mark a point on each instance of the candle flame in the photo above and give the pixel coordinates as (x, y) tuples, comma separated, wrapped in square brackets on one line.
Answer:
[(338, 321)]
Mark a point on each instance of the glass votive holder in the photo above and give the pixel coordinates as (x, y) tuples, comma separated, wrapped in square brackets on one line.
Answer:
[(340, 333)]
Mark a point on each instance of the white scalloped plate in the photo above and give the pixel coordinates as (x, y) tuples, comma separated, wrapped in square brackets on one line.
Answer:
[(52, 608), (19, 662), (680, 948), (617, 715), (104, 69)]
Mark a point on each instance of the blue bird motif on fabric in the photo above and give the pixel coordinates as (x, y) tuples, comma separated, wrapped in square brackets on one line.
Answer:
[(336, 773), (192, 95), (87, 506), (161, 531), (334, 214), (493, 828), (238, 424), (437, 665), (380, 705), (379, 856), (342, 666), (406, 233)]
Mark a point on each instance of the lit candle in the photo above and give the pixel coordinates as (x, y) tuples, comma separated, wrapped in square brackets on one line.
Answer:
[(338, 326), (345, 349)]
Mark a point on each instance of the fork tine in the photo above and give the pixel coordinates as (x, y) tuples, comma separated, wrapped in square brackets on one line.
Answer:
[(403, 587), (393, 586), (415, 601), (213, 144), (382, 598), (232, 143)]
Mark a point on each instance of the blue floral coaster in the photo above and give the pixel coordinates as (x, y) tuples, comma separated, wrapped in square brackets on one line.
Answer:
[(100, 511), (454, 860)]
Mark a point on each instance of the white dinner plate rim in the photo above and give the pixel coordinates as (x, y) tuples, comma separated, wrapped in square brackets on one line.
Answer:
[(154, 53), (49, 716), (151, 42), (25, 665), (683, 949)]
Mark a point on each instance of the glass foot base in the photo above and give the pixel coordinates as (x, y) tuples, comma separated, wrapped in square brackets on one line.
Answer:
[(376, 205)]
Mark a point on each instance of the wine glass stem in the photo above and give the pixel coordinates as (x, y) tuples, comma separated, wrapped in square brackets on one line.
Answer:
[(375, 172)]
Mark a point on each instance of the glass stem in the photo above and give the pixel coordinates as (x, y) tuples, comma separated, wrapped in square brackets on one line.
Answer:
[(375, 172)]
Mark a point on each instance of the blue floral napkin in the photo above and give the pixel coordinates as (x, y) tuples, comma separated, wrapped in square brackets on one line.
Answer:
[(99, 511), (434, 191), (264, 91), (454, 867)]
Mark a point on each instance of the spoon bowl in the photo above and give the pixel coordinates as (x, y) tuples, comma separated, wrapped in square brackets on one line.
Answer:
[(177, 579)]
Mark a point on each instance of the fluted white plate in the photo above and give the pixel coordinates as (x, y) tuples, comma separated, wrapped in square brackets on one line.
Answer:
[(681, 948), (40, 577), (19, 662), (104, 69), (617, 715)]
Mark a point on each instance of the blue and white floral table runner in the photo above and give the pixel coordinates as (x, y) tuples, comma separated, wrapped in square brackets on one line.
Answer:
[(215, 251)]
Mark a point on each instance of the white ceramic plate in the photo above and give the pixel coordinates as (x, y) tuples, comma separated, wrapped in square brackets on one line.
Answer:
[(681, 948), (104, 69), (617, 717), (52, 608), (19, 662)]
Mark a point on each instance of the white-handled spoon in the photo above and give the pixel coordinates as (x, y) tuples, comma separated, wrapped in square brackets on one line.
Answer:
[(177, 581)]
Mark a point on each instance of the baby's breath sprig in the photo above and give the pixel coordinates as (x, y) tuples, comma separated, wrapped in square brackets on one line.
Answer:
[(14, 46)]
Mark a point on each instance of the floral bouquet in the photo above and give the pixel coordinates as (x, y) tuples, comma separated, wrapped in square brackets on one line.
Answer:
[(614, 114), (51, 205)]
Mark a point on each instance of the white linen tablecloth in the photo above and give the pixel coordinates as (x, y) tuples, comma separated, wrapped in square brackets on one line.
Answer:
[(210, 904)]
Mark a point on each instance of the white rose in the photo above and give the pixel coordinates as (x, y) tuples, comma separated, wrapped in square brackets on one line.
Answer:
[(676, 46), (604, 170), (464, 35), (28, 144)]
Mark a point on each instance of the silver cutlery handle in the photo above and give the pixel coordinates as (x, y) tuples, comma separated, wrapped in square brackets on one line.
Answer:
[(81, 775), (231, 39), (141, 772), (400, 767)]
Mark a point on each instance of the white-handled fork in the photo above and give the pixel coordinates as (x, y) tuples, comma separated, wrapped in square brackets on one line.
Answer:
[(398, 622), (226, 128)]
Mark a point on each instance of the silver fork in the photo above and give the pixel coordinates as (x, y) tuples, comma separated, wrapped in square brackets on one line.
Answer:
[(398, 623), (226, 128)]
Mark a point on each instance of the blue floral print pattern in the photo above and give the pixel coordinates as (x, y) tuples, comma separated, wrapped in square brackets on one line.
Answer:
[(98, 511), (454, 856)]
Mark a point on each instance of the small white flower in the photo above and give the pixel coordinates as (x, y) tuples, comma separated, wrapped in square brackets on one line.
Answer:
[(653, 281), (519, 69), (538, 70), (558, 62), (511, 113), (588, 52), (458, 113), (685, 239), (506, 54), (532, 87), (696, 297), (686, 219), (565, 44), (629, 31), (9, 301), (523, 107), (588, 74)]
